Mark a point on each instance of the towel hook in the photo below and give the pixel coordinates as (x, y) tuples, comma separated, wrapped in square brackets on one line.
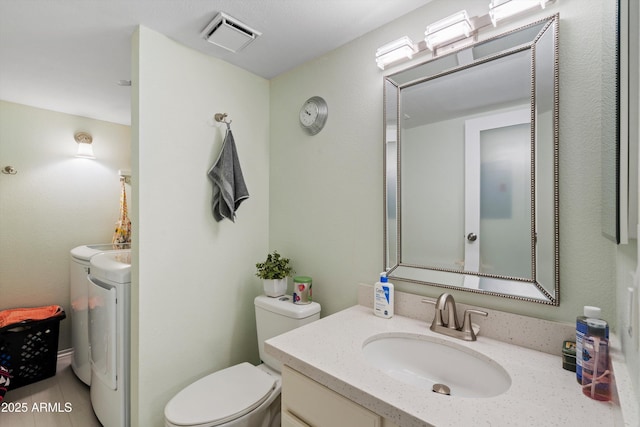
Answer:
[(222, 118), (9, 170)]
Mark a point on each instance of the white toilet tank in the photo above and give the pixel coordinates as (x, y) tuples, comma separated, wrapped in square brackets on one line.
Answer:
[(275, 316)]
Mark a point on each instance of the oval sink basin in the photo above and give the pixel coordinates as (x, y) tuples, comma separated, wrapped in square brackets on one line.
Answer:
[(427, 362)]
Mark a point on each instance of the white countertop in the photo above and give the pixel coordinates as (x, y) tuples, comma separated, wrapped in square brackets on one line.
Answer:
[(329, 351)]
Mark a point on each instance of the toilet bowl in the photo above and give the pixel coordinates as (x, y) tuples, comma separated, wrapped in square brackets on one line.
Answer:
[(243, 395), (240, 396)]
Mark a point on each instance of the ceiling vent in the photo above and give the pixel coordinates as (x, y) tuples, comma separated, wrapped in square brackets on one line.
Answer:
[(229, 33)]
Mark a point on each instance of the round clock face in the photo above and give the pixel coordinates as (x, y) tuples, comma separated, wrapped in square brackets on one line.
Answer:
[(309, 113), (313, 115)]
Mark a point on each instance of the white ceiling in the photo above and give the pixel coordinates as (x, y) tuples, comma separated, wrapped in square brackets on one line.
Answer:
[(68, 55)]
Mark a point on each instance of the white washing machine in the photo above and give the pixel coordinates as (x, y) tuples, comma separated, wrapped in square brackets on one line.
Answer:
[(109, 335), (79, 294)]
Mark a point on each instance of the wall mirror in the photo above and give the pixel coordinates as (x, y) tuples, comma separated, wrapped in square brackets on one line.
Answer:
[(619, 152), (471, 167)]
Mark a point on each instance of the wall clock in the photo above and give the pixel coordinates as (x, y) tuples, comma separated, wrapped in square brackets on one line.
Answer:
[(313, 115)]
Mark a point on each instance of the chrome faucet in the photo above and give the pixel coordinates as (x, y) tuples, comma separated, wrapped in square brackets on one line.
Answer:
[(451, 326)]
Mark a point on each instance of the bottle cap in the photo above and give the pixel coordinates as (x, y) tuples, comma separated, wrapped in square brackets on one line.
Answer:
[(383, 277), (592, 312)]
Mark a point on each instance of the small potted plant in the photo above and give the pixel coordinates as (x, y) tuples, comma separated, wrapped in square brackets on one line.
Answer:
[(274, 272)]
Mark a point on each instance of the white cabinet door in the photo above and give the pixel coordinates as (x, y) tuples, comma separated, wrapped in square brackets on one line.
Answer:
[(290, 420), (312, 403), (102, 332)]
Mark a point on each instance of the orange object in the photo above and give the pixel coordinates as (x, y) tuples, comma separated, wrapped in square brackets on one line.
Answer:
[(17, 315)]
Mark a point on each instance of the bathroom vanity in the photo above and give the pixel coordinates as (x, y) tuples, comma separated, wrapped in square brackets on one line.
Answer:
[(328, 379)]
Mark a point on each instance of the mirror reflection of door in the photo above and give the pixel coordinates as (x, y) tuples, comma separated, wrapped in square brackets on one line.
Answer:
[(498, 238)]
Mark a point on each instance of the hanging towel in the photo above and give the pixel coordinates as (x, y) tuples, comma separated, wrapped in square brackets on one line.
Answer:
[(17, 315), (122, 233), (229, 189)]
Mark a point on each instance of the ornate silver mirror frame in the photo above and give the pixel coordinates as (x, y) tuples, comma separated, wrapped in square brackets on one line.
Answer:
[(452, 205)]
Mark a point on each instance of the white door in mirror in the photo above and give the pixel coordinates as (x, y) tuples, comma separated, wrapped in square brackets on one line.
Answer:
[(313, 115)]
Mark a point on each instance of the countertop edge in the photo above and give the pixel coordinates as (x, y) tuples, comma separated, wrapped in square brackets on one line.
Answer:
[(343, 388)]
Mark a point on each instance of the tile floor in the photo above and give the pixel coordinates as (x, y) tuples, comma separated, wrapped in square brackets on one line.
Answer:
[(60, 401)]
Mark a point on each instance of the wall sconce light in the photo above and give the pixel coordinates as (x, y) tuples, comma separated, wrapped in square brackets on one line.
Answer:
[(502, 9), (394, 51), (85, 150), (448, 30)]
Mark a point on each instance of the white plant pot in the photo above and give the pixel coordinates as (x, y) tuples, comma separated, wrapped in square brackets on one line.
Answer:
[(275, 287)]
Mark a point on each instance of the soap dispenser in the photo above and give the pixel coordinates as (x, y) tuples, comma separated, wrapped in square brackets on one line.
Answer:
[(589, 312), (596, 376)]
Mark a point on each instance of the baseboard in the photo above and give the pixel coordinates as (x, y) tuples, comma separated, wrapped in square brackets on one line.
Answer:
[(67, 352)]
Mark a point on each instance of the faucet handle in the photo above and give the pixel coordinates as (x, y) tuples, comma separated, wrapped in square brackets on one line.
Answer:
[(428, 301), (467, 327)]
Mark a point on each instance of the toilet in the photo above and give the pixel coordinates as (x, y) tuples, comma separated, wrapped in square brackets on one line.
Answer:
[(243, 395)]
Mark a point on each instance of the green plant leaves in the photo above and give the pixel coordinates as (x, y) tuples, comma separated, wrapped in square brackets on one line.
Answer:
[(274, 267)]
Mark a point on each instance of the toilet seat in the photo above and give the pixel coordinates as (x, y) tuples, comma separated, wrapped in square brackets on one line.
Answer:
[(220, 397)]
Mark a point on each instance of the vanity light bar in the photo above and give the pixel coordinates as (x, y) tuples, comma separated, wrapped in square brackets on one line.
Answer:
[(454, 31), (448, 30), (394, 51), (502, 9)]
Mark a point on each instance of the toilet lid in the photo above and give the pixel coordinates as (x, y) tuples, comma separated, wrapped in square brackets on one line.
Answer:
[(220, 397)]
